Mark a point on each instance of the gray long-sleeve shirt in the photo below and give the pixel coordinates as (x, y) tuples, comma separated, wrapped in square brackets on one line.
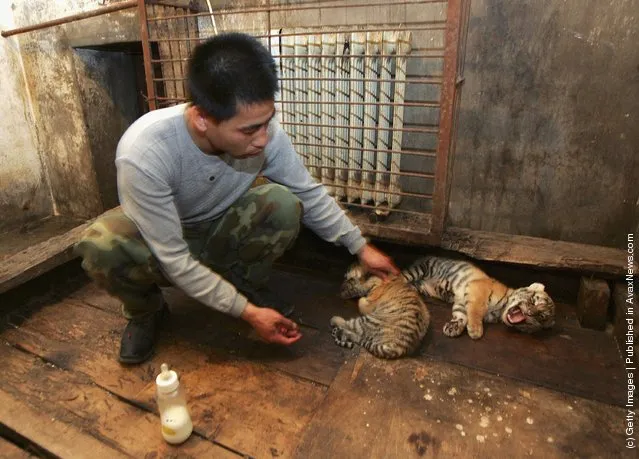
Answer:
[(165, 181)]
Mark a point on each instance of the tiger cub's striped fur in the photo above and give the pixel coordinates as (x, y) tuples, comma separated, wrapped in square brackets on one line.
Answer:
[(478, 298), (394, 317)]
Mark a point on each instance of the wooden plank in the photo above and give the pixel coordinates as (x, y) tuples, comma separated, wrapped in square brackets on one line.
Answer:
[(424, 408), (316, 299), (10, 451), (72, 401), (76, 337), (32, 233), (247, 407), (574, 360), (229, 395), (38, 259), (592, 303), (538, 252), (315, 357), (60, 439), (403, 229)]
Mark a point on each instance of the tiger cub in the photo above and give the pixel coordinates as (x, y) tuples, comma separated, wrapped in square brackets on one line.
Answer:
[(478, 298), (394, 317)]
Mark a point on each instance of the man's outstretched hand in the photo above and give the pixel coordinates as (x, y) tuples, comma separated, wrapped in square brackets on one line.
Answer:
[(271, 326), (377, 262)]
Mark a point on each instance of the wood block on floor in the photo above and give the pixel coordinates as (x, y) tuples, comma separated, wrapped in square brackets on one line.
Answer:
[(592, 303), (424, 408)]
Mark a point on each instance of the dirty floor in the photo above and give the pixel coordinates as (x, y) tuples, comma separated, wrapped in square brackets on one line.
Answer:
[(63, 393)]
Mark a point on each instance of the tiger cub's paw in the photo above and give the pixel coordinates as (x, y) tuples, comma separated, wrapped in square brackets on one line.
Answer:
[(454, 328), (475, 332)]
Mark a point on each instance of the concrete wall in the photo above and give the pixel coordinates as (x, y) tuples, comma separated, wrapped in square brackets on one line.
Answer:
[(548, 143), (24, 191), (59, 84)]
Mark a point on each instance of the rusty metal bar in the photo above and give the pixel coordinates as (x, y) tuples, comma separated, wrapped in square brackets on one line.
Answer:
[(73, 17), (414, 56), (434, 80), (394, 209), (446, 118), (425, 153), (431, 80), (319, 32), (318, 6), (398, 193), (430, 104), (176, 4), (375, 128), (422, 175), (324, 56), (392, 25), (376, 104), (427, 104), (146, 53)]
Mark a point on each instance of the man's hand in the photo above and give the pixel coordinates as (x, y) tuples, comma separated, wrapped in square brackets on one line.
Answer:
[(376, 262), (271, 326)]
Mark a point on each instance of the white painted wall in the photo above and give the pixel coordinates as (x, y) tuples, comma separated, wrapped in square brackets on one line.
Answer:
[(24, 191)]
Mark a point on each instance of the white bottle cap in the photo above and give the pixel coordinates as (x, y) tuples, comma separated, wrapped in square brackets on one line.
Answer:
[(167, 381)]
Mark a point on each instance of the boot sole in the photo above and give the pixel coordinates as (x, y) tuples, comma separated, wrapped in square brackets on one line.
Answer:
[(136, 360)]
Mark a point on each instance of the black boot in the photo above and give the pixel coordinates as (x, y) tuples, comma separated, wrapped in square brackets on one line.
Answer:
[(139, 337)]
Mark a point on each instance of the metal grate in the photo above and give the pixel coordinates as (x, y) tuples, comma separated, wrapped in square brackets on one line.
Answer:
[(368, 94)]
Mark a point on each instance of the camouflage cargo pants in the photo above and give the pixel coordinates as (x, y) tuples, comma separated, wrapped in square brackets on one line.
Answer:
[(241, 246)]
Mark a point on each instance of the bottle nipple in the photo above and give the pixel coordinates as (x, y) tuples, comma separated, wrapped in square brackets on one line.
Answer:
[(165, 375)]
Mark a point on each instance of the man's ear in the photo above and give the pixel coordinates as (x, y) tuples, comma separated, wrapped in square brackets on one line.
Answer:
[(201, 120)]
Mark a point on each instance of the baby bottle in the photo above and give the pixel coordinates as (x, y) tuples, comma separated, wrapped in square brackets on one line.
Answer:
[(176, 420)]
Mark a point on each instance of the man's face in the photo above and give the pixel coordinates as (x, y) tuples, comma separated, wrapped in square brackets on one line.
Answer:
[(246, 134)]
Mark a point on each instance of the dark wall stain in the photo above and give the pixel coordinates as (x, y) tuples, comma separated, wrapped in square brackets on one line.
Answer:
[(107, 85), (547, 144)]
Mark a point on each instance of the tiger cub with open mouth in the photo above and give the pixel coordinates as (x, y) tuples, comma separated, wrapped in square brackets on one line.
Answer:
[(394, 316), (478, 298)]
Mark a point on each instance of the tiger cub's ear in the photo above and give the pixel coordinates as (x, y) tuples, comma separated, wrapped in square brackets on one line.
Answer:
[(537, 287)]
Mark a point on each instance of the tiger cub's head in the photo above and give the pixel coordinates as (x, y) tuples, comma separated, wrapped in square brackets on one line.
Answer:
[(529, 309), (357, 282)]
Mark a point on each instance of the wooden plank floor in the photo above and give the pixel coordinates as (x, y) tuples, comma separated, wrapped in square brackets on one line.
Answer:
[(63, 394)]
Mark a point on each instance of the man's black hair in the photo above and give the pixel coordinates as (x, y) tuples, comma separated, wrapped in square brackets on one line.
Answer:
[(228, 70)]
